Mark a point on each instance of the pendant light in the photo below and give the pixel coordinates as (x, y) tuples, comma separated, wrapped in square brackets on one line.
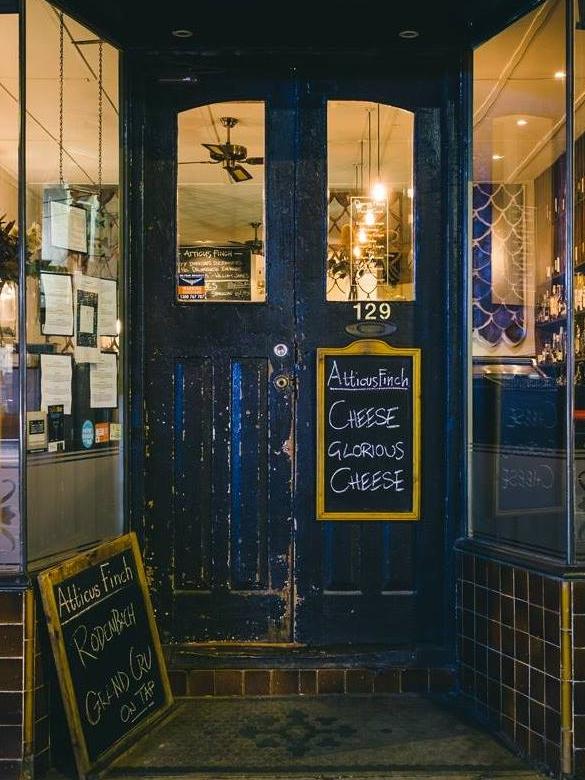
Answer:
[(378, 191)]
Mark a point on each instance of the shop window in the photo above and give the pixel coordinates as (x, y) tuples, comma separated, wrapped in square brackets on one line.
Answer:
[(10, 537), (518, 267), (74, 285), (370, 202), (220, 204)]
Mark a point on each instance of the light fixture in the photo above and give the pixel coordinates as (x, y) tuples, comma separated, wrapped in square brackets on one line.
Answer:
[(182, 33), (368, 216), (560, 74), (521, 122), (408, 34), (497, 156), (379, 191)]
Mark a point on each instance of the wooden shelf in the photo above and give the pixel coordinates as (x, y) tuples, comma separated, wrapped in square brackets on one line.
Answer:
[(551, 324), (560, 277)]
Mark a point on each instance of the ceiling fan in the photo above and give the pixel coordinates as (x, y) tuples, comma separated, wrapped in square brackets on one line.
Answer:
[(229, 155)]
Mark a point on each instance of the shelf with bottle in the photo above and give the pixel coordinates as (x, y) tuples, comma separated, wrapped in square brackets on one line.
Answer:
[(551, 311), (554, 352)]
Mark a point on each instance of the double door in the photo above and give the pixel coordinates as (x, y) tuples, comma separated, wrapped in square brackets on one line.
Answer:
[(232, 544)]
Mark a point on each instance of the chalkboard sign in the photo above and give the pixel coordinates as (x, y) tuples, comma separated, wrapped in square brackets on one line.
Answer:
[(530, 465), (107, 651), (214, 273), (368, 432)]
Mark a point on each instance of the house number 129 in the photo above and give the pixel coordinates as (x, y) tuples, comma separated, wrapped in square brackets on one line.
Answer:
[(372, 311)]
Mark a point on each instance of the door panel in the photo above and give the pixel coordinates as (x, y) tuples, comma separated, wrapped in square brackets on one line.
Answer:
[(362, 582), (192, 485), (219, 467)]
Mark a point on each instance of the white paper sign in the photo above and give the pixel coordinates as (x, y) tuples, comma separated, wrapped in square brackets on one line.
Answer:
[(56, 375), (86, 319), (68, 226), (58, 294), (103, 382), (108, 308), (87, 299)]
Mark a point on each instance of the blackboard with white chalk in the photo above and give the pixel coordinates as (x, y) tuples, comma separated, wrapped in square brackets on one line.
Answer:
[(107, 650), (368, 432)]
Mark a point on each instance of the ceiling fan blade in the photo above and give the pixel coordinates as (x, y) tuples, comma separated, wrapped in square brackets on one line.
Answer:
[(200, 162), (254, 161), (217, 151), (238, 173)]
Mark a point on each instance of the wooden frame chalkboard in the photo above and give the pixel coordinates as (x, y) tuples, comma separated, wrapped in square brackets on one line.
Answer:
[(368, 432), (107, 650)]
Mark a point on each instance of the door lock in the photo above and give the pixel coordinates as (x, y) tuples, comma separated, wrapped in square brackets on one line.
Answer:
[(281, 382), (280, 350)]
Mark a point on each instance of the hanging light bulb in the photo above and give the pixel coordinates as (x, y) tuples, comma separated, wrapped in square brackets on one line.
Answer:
[(362, 236), (357, 252), (369, 218), (379, 191)]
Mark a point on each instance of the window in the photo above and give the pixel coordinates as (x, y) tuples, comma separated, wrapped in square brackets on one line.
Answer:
[(74, 284), (370, 226), (519, 282), (220, 204)]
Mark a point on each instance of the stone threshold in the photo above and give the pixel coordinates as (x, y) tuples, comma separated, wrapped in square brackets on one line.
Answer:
[(310, 682)]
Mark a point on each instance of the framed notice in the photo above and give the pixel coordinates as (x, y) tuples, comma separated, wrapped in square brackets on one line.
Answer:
[(107, 650), (214, 273), (368, 432)]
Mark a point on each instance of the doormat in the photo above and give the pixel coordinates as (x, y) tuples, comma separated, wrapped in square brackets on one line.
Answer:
[(332, 738)]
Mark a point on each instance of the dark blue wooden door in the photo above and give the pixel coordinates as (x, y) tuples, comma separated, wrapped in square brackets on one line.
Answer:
[(371, 582), (232, 544)]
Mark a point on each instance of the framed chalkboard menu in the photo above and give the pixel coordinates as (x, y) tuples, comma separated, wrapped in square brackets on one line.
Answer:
[(107, 650), (368, 432)]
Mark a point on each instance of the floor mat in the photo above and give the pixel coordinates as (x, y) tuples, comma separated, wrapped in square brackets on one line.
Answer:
[(325, 737)]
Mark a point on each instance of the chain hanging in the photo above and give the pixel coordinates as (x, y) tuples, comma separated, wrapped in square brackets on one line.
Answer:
[(100, 118), (61, 87)]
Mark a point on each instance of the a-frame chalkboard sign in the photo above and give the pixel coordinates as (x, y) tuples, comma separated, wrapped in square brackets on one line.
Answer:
[(368, 432), (107, 650)]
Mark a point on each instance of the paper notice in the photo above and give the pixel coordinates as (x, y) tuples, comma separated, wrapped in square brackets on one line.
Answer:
[(58, 297), (103, 382), (108, 308), (86, 317), (68, 226), (87, 303), (56, 375)]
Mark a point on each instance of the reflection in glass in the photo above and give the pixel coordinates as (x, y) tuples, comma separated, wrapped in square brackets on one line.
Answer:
[(519, 305), (220, 204), (74, 281), (370, 168), (579, 278)]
